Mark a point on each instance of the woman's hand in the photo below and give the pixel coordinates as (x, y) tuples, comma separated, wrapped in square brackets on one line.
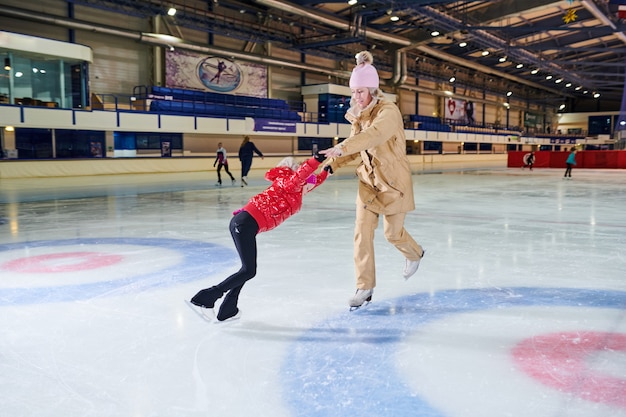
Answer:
[(332, 152)]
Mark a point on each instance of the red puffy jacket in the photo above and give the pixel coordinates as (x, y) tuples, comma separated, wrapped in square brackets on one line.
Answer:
[(283, 198)]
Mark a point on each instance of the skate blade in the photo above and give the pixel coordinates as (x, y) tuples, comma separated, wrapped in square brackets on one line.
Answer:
[(355, 308), (206, 314)]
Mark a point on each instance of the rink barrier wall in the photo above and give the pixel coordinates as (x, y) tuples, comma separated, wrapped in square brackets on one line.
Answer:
[(584, 159), (119, 166)]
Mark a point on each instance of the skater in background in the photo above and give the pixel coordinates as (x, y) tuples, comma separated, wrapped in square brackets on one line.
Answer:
[(246, 153), (385, 184), (570, 162), (529, 160), (263, 212), (222, 162)]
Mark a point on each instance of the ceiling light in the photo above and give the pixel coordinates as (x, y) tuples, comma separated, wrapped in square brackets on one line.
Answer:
[(568, 85), (9, 129), (558, 80), (548, 77), (394, 18), (452, 79), (7, 64), (463, 44), (352, 2), (171, 11), (535, 71), (485, 53), (518, 66), (578, 88), (585, 92), (596, 95), (509, 93), (434, 33), (502, 59), (562, 106)]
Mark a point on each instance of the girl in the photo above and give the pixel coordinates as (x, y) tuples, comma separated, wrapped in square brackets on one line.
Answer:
[(263, 212)]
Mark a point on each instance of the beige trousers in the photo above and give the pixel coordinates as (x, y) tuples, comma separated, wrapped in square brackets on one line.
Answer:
[(395, 233)]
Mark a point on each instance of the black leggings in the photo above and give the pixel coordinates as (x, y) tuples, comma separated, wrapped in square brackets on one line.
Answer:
[(243, 229), (219, 174), (568, 170)]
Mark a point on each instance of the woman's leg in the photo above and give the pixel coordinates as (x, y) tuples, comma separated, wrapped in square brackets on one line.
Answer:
[(245, 166), (364, 258)]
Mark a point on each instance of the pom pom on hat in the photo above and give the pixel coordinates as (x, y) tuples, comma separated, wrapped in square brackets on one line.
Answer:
[(364, 74)]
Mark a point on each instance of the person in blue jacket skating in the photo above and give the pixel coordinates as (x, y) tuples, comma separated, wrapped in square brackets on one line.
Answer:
[(571, 161)]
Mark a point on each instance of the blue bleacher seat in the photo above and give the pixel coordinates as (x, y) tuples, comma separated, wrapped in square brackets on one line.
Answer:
[(193, 102)]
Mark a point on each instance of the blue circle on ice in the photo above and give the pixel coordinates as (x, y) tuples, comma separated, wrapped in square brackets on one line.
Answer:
[(198, 260), (342, 366)]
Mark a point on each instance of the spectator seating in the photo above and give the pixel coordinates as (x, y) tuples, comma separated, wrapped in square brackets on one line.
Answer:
[(429, 123), (193, 102)]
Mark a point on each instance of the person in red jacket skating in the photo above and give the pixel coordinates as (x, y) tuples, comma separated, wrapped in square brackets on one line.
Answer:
[(263, 212)]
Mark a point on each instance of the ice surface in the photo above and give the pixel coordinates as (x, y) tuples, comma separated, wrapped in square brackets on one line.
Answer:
[(94, 274)]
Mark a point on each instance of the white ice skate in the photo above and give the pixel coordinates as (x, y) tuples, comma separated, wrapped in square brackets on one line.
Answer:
[(360, 297)]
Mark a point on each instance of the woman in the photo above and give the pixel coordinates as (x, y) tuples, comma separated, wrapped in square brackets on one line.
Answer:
[(385, 184), (246, 153)]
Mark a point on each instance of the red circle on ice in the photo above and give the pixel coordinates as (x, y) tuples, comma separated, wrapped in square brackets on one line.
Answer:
[(61, 262), (562, 361)]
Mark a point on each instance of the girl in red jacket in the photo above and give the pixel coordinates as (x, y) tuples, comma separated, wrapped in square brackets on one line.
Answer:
[(263, 212)]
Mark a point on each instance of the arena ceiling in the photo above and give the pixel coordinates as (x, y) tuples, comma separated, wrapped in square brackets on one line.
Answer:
[(536, 49)]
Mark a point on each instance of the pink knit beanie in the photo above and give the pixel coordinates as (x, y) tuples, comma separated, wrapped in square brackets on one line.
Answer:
[(364, 74)]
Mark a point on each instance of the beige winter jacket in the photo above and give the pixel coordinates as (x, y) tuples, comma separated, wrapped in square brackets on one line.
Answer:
[(377, 136)]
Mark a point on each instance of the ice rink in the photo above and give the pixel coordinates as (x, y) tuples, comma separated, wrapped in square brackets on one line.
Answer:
[(517, 309)]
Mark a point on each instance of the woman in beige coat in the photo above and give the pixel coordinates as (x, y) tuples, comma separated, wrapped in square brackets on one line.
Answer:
[(385, 184)]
